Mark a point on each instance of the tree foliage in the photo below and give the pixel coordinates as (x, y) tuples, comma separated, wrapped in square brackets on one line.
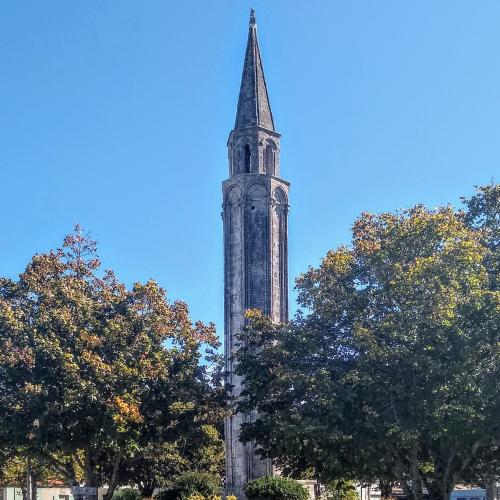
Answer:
[(392, 370), (200, 449), (342, 490), (275, 488), (126, 494), (191, 484), (16, 464), (92, 371)]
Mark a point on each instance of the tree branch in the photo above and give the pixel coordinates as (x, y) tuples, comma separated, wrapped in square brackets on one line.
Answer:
[(78, 461)]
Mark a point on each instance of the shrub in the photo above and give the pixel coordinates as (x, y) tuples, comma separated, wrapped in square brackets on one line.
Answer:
[(341, 489), (192, 483), (201, 497), (126, 494), (275, 488)]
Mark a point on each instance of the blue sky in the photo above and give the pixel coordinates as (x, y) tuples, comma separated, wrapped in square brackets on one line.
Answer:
[(115, 114)]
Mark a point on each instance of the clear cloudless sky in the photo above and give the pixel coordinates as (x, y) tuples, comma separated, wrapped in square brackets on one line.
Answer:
[(115, 114)]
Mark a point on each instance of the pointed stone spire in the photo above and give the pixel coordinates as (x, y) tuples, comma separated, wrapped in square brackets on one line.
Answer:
[(255, 215), (254, 109)]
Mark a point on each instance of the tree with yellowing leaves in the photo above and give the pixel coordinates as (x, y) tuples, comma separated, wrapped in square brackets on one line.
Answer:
[(92, 371)]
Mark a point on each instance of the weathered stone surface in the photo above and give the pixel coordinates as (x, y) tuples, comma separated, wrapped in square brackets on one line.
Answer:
[(255, 214), (253, 103)]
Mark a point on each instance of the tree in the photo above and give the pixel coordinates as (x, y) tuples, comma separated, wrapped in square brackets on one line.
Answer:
[(344, 490), (393, 368), (152, 466), (91, 370), (158, 464), (485, 471), (16, 465), (482, 214)]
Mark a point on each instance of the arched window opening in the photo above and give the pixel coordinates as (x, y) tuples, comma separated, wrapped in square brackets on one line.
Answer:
[(269, 163), (247, 159), (279, 195)]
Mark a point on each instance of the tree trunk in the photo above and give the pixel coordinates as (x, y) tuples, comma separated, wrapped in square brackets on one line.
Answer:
[(385, 488), (491, 489), (146, 490), (443, 482), (113, 483), (34, 492), (147, 493), (29, 479), (416, 480), (89, 469), (90, 475), (403, 483), (439, 489)]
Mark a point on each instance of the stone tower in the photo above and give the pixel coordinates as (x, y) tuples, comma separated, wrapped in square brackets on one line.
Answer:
[(255, 210)]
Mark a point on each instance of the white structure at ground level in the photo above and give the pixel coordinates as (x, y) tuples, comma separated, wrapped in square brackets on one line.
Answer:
[(62, 492)]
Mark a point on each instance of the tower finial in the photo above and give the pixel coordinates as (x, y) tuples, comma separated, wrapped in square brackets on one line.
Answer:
[(253, 22), (253, 104)]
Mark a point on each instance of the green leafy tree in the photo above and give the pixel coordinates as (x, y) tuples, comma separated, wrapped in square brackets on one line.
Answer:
[(482, 214), (16, 465), (14, 472), (91, 370), (152, 466), (485, 471), (158, 464), (393, 368), (343, 490)]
